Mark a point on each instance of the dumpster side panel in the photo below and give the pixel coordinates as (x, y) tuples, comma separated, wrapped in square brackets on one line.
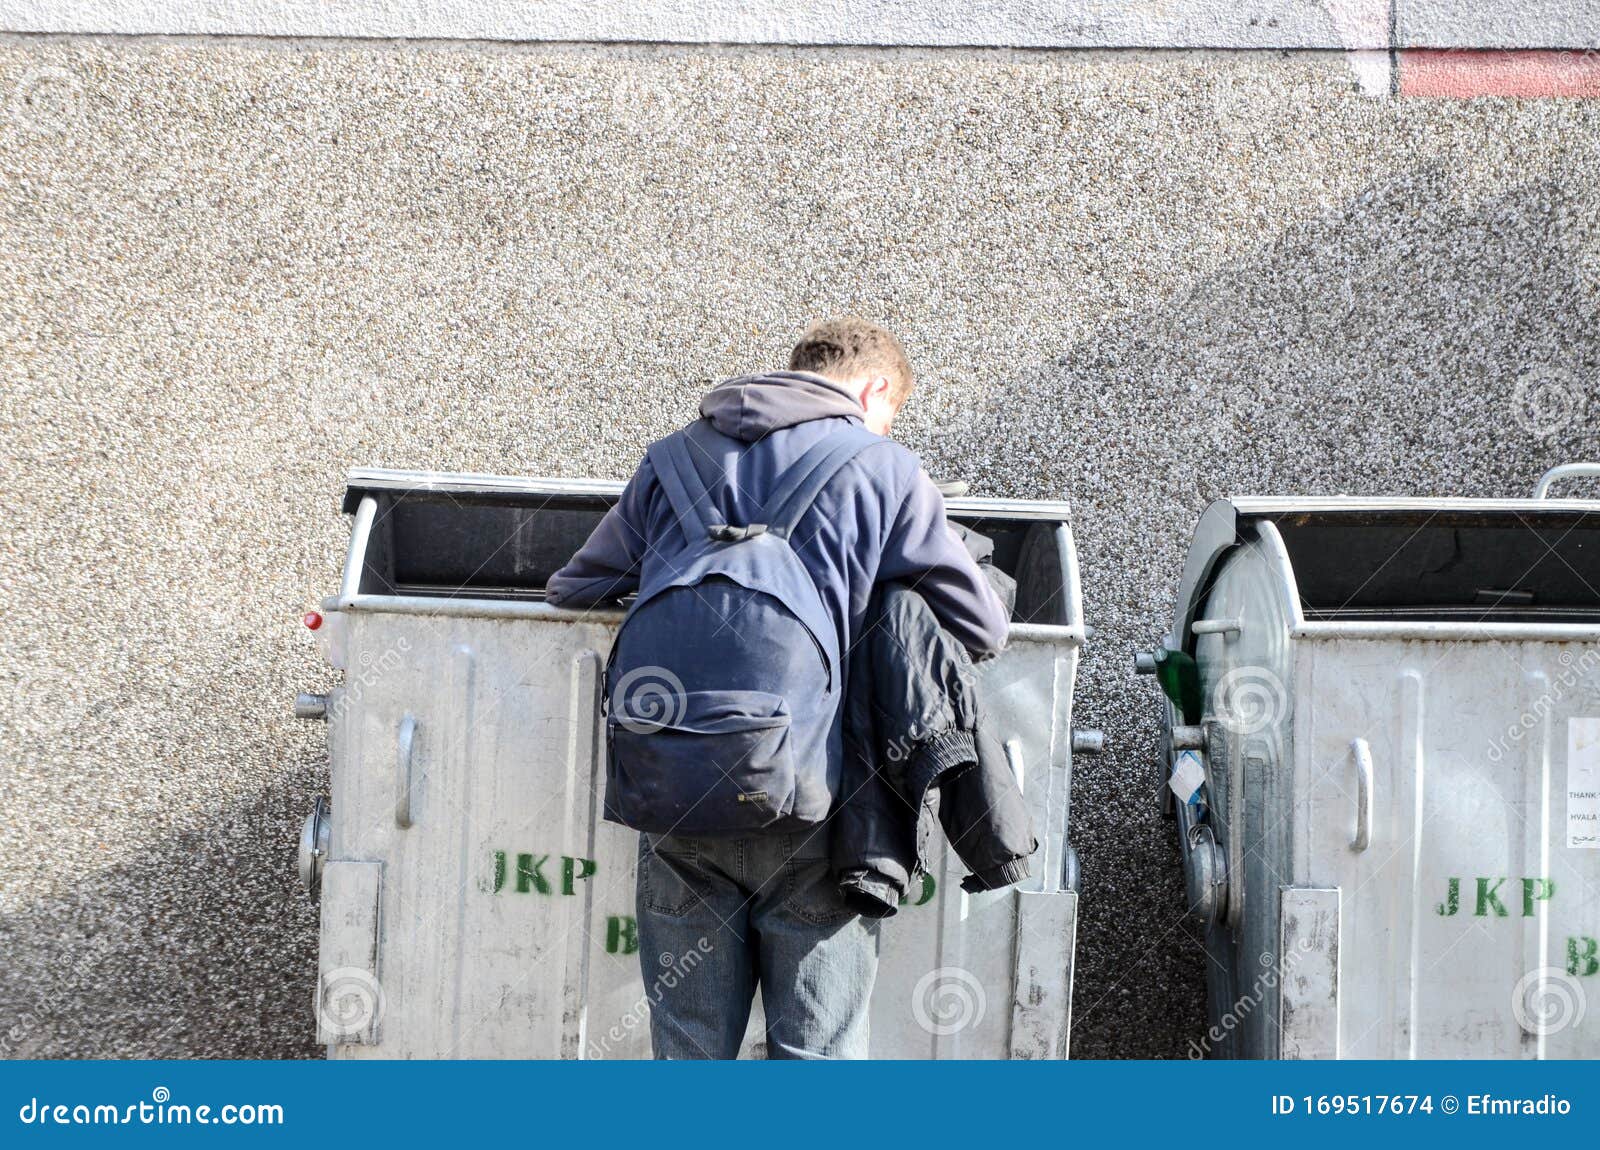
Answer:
[(1247, 681), (1468, 920), (349, 997), (469, 773), (1308, 994), (507, 921)]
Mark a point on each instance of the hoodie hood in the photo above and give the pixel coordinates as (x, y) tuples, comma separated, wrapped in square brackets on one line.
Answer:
[(749, 407)]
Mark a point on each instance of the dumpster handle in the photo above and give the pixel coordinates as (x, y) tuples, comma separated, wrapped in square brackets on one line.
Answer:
[(408, 746), (355, 560), (1565, 471), (1363, 759)]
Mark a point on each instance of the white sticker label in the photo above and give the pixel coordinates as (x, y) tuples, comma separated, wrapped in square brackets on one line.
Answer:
[(1188, 776), (1583, 783)]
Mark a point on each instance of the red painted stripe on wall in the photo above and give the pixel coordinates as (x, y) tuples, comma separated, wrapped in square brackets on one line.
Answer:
[(1528, 74)]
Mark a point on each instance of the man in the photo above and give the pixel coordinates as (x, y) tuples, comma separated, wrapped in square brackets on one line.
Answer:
[(734, 861)]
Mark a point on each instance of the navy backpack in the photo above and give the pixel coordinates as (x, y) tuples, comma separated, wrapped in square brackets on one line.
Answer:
[(723, 685)]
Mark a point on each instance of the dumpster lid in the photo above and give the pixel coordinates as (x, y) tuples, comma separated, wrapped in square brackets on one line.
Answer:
[(363, 481), (1540, 503), (1273, 507), (433, 535), (1359, 559), (368, 480)]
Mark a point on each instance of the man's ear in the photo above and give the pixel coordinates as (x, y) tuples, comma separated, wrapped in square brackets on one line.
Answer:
[(877, 389)]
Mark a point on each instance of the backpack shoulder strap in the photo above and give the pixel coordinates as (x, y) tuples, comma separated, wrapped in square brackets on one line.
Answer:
[(808, 475), (686, 491)]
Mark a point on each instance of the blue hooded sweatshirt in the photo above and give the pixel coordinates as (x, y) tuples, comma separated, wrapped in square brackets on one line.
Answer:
[(880, 520)]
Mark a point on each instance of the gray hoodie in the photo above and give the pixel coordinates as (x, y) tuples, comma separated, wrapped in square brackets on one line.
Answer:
[(880, 520)]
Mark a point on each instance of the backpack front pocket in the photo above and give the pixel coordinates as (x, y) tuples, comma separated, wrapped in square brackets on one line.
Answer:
[(708, 762)]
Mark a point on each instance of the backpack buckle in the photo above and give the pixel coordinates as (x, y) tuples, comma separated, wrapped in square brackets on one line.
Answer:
[(728, 533)]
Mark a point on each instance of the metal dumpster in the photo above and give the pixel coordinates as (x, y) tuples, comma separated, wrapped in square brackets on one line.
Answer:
[(474, 903), (1382, 737)]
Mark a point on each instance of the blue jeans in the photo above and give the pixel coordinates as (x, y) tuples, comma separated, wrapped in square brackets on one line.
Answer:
[(719, 917)]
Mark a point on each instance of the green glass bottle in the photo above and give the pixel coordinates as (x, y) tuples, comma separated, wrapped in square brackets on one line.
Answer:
[(1179, 677)]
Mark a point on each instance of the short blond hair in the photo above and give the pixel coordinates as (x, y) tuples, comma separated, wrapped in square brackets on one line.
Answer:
[(847, 346)]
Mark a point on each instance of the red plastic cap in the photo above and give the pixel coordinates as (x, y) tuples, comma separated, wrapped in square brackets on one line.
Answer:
[(312, 620)]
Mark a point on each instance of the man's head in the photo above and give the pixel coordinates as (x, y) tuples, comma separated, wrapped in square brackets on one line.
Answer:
[(864, 358)]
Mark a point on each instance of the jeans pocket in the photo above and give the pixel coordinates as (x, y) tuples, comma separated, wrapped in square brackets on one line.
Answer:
[(813, 894), (670, 880)]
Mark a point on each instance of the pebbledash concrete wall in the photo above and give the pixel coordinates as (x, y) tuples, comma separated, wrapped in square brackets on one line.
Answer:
[(232, 268)]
